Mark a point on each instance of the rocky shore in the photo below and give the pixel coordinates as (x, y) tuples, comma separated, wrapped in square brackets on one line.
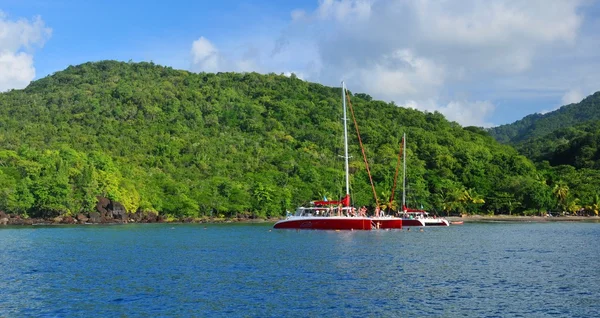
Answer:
[(112, 212), (107, 212)]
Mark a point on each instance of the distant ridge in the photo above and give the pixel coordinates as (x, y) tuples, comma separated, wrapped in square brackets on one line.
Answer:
[(538, 125)]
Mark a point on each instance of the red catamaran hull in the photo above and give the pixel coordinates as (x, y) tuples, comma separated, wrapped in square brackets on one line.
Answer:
[(413, 222), (325, 223), (388, 223)]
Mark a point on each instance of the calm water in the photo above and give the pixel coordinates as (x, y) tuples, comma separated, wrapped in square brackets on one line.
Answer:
[(474, 270)]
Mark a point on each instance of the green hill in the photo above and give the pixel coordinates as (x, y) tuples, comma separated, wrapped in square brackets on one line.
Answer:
[(537, 125), (188, 145), (576, 146)]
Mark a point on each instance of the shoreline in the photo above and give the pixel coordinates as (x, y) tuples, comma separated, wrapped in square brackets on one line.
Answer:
[(16, 222), (520, 218), (465, 219)]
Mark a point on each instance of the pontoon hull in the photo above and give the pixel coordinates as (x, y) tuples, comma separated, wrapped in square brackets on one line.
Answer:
[(436, 222), (413, 222), (388, 223), (325, 223)]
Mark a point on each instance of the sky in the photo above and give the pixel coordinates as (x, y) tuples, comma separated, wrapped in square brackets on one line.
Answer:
[(478, 62)]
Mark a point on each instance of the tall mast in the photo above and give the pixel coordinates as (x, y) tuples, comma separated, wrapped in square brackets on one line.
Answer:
[(346, 139), (404, 172)]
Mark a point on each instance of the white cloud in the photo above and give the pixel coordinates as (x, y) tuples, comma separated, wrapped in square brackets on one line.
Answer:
[(298, 75), (457, 57), (467, 113), (17, 42), (344, 10), (572, 96), (298, 14), (401, 73), (16, 70), (427, 50), (207, 58)]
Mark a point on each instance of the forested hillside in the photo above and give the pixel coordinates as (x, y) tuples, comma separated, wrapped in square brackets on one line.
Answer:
[(187, 145), (537, 125), (577, 146)]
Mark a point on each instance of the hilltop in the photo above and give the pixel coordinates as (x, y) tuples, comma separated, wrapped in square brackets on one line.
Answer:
[(181, 144), (538, 125)]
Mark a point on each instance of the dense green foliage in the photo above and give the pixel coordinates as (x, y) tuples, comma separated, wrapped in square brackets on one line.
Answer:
[(186, 145), (564, 143), (537, 125), (577, 146)]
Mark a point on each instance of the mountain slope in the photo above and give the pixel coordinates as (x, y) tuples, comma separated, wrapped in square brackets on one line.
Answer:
[(186, 145), (538, 125), (577, 146)]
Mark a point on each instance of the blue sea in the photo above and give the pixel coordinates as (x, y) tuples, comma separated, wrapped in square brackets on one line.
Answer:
[(252, 270)]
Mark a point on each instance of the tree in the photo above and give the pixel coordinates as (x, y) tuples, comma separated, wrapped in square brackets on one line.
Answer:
[(561, 192), (185, 144), (595, 206)]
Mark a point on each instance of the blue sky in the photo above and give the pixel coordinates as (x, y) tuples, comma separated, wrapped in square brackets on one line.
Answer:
[(480, 63)]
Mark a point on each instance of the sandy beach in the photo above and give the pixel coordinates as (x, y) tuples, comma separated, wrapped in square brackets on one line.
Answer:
[(518, 218)]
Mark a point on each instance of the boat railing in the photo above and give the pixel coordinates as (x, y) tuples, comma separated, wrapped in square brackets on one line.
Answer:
[(325, 212)]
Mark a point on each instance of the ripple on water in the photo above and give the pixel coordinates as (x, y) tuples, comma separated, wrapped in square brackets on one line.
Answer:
[(481, 270)]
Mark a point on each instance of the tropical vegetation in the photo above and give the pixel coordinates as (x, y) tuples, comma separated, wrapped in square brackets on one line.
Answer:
[(183, 144)]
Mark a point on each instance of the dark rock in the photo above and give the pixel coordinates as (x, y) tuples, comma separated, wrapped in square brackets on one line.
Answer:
[(106, 217), (118, 211), (95, 217), (82, 218), (68, 220), (102, 205), (17, 220), (136, 217), (3, 215), (150, 217)]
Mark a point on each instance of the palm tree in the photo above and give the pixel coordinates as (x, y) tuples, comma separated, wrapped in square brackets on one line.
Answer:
[(573, 206), (561, 192), (389, 206), (594, 206), (474, 199), (454, 200)]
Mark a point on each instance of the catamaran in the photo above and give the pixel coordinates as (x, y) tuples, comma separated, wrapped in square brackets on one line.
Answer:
[(330, 215), (416, 217)]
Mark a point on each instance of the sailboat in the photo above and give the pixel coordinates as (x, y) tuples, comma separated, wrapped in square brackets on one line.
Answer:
[(392, 222), (416, 217), (330, 215)]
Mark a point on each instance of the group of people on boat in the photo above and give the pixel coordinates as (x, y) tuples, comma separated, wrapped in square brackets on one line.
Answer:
[(340, 210)]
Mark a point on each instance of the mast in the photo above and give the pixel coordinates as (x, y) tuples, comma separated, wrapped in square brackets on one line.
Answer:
[(404, 173), (346, 142)]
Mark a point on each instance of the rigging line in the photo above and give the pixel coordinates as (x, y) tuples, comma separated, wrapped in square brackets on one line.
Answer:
[(362, 148), (396, 174)]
